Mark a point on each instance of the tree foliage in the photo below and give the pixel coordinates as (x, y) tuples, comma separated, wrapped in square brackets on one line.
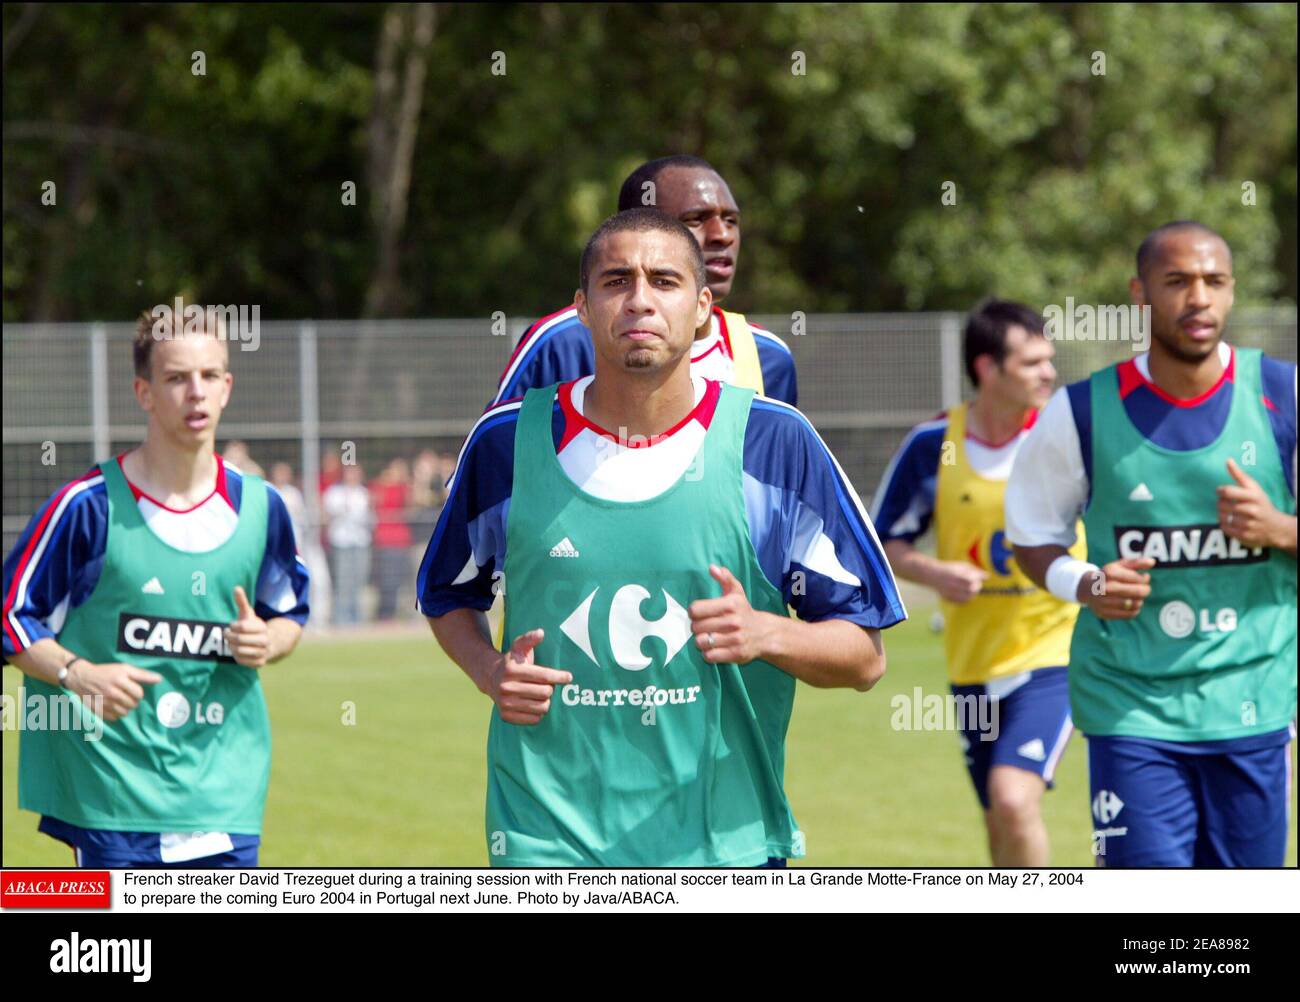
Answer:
[(227, 186)]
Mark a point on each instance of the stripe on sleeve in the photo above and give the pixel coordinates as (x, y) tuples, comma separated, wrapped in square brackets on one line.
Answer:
[(490, 419), (533, 337), (770, 338), (36, 545), (886, 481), (851, 505)]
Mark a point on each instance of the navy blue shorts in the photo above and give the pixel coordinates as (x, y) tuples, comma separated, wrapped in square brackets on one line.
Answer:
[(239, 858), (1022, 721), (1201, 803), (114, 850)]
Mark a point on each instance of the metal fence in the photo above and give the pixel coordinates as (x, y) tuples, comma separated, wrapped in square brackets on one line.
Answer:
[(397, 387)]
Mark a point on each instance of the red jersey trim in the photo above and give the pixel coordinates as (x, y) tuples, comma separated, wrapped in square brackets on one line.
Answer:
[(722, 329), (220, 487), (716, 346), (1030, 418), (1130, 378), (1028, 423), (575, 423)]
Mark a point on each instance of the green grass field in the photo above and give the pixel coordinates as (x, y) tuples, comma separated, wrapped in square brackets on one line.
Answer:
[(404, 784)]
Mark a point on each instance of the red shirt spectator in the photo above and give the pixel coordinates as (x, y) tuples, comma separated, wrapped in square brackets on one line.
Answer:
[(390, 496)]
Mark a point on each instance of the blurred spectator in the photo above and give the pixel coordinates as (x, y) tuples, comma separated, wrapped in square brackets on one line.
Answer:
[(237, 455), (348, 526), (331, 470), (390, 495), (309, 548), (428, 492), (447, 461)]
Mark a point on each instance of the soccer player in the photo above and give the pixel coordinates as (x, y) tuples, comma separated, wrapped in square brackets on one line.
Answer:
[(727, 347), (1007, 642), (1183, 661), (642, 697), (130, 589)]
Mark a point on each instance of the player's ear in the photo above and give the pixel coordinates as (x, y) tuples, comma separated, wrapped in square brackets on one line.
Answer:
[(143, 393), (580, 301), (1137, 291), (703, 306)]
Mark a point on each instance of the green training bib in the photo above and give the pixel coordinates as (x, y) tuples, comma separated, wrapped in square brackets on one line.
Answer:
[(652, 756), (1212, 654), (195, 754)]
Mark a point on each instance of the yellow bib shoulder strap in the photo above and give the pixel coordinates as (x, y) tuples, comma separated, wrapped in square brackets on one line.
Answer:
[(744, 352)]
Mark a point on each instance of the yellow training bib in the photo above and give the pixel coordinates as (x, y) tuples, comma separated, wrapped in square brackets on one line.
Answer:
[(744, 352), (1012, 625)]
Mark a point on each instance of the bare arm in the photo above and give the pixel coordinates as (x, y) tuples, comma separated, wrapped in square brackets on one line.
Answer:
[(521, 688), (43, 659), (1035, 560), (465, 636), (284, 637), (954, 580), (1115, 591), (111, 690), (831, 654)]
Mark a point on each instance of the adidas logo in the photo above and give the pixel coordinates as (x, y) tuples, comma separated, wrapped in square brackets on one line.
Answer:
[(153, 587), (1033, 749), (1141, 493), (564, 548)]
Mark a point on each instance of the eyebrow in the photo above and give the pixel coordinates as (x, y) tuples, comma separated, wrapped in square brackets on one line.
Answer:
[(723, 210), (1179, 273), (619, 272)]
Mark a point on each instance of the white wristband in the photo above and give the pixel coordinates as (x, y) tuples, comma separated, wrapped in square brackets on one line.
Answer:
[(1064, 575)]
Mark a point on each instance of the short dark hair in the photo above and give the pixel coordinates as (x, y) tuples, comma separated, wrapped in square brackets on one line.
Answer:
[(152, 326), (629, 196), (641, 221), (986, 330), (1147, 249)]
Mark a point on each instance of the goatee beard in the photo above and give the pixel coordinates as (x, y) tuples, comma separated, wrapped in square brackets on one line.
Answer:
[(1188, 355)]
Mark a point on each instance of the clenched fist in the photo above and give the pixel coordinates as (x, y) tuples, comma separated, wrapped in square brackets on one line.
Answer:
[(521, 688), (247, 637), (1119, 590)]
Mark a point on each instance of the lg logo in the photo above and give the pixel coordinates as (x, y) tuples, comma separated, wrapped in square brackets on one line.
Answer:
[(1179, 620), (174, 711), (628, 628)]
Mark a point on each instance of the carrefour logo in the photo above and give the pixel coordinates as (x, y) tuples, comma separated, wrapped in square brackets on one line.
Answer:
[(627, 627), (999, 554), (1106, 806)]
